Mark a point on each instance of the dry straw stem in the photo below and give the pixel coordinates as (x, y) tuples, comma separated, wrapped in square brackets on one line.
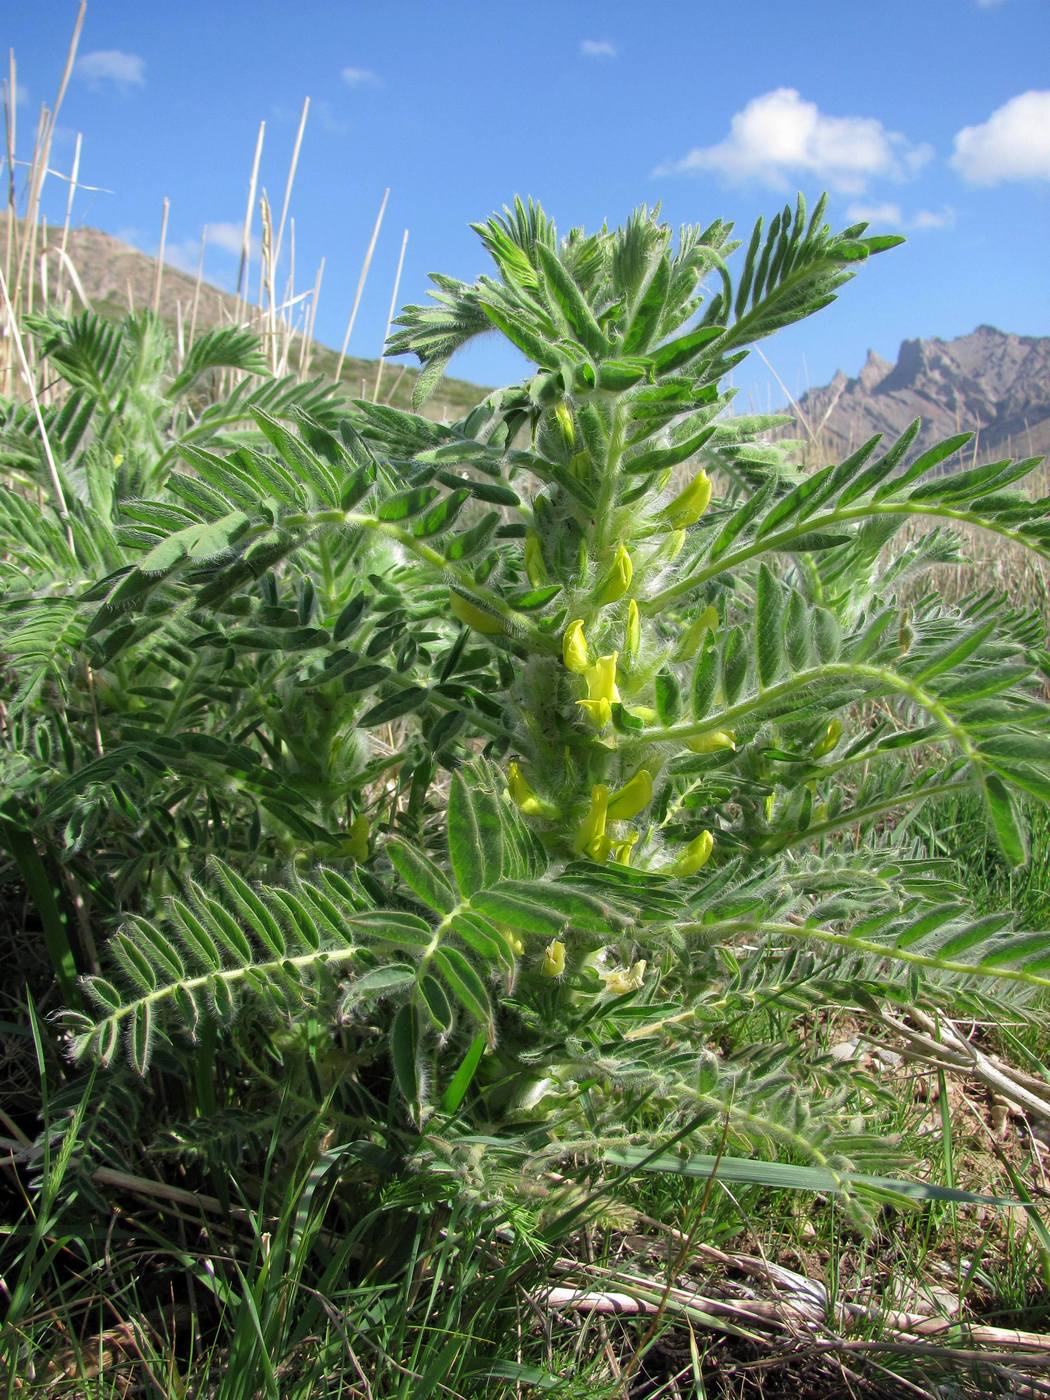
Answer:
[(292, 167), (941, 1044), (362, 279), (390, 315), (307, 342), (63, 256), (52, 465), (246, 232), (20, 251), (160, 255)]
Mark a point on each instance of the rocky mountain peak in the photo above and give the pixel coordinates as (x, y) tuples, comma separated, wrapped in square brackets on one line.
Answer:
[(990, 381)]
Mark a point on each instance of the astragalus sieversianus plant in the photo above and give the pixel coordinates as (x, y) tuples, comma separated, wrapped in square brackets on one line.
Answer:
[(665, 713)]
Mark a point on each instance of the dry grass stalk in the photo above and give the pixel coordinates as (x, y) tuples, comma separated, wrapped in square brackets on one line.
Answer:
[(160, 256), (361, 286), (390, 315), (307, 342), (246, 232), (197, 286), (292, 167)]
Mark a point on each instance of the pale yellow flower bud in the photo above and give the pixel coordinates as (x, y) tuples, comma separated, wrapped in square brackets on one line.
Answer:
[(574, 650), (694, 857), (690, 643), (525, 799), (632, 638), (712, 741), (632, 798), (689, 505), (535, 568), (481, 621), (553, 959), (615, 583), (590, 836)]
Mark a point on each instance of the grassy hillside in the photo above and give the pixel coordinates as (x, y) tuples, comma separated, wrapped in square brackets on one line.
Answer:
[(115, 276)]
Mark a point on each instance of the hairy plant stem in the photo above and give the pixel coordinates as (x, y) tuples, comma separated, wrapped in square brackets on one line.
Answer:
[(861, 814), (832, 670), (605, 508), (728, 928), (783, 540)]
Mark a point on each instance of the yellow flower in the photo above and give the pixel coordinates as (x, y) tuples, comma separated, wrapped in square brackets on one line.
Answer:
[(553, 959), (632, 798), (591, 836), (525, 799), (615, 583), (535, 568), (711, 742), (574, 649), (689, 505), (621, 979), (690, 643), (832, 735), (602, 692), (621, 850), (694, 857), (632, 637), (355, 842), (477, 618)]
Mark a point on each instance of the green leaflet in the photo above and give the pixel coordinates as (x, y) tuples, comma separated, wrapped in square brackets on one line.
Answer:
[(668, 697), (475, 837), (659, 459), (1007, 822), (421, 875), (785, 1176), (464, 983), (705, 682), (769, 639), (404, 504), (734, 665), (461, 1081), (440, 517), (382, 981), (404, 1049), (676, 353)]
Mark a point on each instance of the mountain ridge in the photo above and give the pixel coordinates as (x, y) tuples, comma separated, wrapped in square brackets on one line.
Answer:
[(991, 382)]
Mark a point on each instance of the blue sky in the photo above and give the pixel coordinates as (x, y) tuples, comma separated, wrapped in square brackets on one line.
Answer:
[(933, 116)]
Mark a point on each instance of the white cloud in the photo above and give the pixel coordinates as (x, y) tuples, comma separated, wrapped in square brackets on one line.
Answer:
[(1013, 144), (875, 214), (598, 48), (183, 256), (779, 136), (926, 219), (988, 4), (890, 216), (230, 238), (21, 93), (123, 70), (360, 77)]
